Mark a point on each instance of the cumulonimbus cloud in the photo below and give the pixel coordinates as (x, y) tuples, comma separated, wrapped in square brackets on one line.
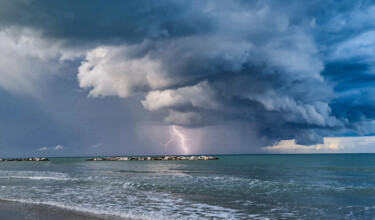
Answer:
[(284, 67), (254, 71)]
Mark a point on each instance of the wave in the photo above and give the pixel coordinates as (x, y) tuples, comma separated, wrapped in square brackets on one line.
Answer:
[(36, 175), (39, 178), (209, 211)]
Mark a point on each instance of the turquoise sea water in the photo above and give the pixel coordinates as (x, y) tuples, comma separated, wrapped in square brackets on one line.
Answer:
[(234, 187)]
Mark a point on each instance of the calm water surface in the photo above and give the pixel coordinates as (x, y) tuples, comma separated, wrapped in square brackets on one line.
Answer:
[(234, 187)]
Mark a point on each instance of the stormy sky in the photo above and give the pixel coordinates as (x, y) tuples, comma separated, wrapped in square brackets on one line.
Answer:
[(95, 77)]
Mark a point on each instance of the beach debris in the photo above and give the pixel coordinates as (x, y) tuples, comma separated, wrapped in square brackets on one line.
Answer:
[(153, 158), (24, 159)]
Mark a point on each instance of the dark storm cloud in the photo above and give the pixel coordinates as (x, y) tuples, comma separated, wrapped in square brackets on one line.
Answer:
[(87, 20), (294, 70)]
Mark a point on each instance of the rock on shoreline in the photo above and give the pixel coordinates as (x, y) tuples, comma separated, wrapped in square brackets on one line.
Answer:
[(24, 159), (153, 158)]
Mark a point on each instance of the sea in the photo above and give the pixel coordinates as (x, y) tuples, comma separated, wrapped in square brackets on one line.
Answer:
[(318, 186)]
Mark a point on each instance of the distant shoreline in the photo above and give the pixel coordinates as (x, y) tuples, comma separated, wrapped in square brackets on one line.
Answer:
[(224, 155)]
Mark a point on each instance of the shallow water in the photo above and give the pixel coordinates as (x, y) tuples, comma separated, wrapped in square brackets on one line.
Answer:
[(234, 187)]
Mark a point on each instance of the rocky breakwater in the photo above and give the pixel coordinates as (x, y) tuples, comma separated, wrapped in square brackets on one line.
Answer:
[(24, 159), (153, 158)]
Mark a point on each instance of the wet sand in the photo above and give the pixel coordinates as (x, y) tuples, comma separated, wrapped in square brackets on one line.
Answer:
[(17, 210)]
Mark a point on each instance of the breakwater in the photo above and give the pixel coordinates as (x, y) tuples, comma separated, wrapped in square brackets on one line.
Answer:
[(24, 159), (153, 158)]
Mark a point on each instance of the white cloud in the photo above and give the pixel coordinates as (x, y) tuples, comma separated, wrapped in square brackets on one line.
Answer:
[(330, 145), (111, 71), (59, 147), (96, 145), (200, 95), (43, 149)]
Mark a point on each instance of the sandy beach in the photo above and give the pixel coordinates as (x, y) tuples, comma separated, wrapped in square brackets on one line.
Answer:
[(17, 210)]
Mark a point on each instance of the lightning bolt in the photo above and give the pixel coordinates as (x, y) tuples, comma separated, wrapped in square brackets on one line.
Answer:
[(178, 134)]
